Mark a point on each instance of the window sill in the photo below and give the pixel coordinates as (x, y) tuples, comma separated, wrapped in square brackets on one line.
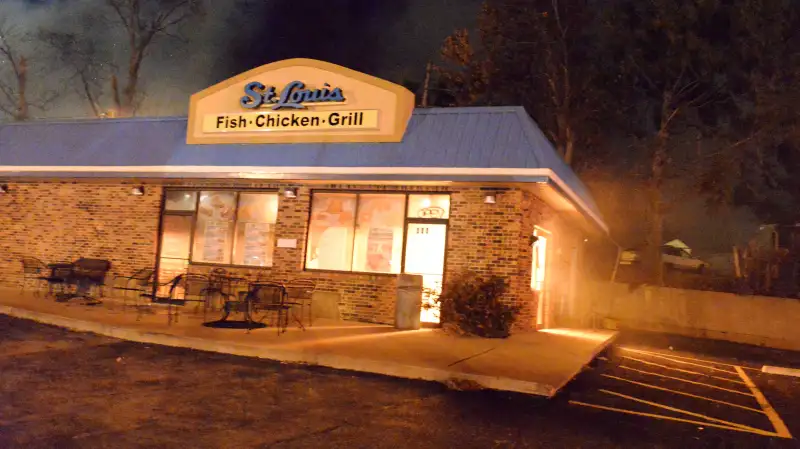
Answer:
[(224, 265), (357, 273)]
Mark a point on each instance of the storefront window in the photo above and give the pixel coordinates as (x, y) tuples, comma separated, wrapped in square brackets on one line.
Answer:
[(331, 231), (378, 245), (227, 234), (180, 201), (255, 229), (365, 232), (429, 206)]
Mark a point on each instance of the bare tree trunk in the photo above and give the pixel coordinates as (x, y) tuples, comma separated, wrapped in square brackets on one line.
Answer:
[(656, 265), (129, 107), (656, 184), (426, 85), (569, 144), (22, 81), (115, 94), (89, 96)]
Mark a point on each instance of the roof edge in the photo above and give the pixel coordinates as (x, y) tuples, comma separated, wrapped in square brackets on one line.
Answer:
[(171, 118)]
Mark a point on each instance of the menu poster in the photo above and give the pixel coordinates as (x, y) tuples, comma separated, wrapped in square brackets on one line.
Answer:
[(379, 249), (215, 239), (256, 240)]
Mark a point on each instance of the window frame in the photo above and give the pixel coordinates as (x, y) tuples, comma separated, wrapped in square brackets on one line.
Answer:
[(406, 221), (193, 214)]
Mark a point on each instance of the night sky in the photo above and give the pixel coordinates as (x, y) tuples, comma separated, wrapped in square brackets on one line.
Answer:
[(389, 39)]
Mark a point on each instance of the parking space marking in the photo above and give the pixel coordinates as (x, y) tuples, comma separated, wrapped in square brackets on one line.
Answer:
[(679, 410), (655, 387), (678, 359), (686, 380), (672, 418), (774, 418), (766, 409), (683, 370)]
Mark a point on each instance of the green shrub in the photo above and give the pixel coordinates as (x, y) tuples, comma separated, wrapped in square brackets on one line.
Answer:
[(473, 305)]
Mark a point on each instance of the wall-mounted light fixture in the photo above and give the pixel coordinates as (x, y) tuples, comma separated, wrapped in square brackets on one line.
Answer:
[(490, 194), (290, 193), (137, 191)]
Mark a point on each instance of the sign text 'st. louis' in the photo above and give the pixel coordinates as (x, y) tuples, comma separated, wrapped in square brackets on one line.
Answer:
[(294, 95)]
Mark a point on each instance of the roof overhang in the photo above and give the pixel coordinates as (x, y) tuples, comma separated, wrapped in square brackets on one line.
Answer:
[(542, 181)]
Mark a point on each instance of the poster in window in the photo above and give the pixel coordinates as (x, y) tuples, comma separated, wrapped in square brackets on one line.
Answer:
[(379, 249), (215, 240), (256, 240)]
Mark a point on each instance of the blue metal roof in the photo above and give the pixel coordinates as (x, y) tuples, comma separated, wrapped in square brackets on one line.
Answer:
[(473, 138)]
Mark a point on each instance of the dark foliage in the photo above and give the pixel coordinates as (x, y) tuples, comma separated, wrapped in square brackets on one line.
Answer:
[(474, 305)]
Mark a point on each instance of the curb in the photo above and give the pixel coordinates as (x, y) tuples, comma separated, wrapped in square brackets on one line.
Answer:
[(287, 356), (780, 370)]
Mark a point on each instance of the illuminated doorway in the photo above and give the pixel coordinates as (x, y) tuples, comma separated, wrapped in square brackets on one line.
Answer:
[(425, 246), (539, 271), (426, 239)]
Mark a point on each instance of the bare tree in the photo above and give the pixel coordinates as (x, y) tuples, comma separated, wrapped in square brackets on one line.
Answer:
[(86, 65), (538, 53), (145, 21), (90, 60), (16, 97)]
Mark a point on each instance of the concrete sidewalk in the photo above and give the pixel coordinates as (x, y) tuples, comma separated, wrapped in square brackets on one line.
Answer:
[(538, 363)]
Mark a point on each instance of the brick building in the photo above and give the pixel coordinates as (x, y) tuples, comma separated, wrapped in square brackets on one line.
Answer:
[(446, 191)]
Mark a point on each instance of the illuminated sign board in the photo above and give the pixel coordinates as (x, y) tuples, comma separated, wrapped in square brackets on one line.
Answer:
[(300, 100)]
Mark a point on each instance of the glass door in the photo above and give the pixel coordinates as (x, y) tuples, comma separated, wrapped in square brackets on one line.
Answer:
[(175, 241), (539, 273), (425, 245)]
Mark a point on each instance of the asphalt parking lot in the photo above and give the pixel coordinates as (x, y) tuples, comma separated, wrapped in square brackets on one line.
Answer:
[(71, 390)]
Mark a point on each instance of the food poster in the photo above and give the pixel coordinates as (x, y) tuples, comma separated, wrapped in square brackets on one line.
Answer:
[(256, 241), (334, 213), (215, 241), (381, 217), (217, 206), (216, 212), (379, 249)]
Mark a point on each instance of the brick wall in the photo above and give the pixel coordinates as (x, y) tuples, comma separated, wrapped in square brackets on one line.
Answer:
[(493, 239), (58, 221)]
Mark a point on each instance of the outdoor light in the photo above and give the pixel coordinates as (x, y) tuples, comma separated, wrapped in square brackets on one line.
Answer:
[(490, 194), (4, 188), (290, 193), (137, 191)]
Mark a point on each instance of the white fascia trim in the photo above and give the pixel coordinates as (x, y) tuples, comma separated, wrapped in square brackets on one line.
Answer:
[(282, 172)]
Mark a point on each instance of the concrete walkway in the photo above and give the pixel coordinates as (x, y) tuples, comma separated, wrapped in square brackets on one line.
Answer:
[(538, 363)]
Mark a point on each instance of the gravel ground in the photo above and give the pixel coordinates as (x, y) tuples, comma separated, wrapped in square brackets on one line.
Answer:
[(60, 389)]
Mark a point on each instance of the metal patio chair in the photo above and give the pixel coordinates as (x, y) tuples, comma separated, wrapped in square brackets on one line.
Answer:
[(186, 288), (263, 299), (59, 277), (35, 270), (139, 282), (301, 292)]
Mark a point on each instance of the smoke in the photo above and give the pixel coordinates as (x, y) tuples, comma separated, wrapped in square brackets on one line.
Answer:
[(388, 39)]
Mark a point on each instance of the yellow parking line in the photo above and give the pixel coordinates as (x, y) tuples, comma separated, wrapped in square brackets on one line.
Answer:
[(672, 357), (774, 418), (683, 370), (679, 410), (687, 381), (672, 418), (655, 387)]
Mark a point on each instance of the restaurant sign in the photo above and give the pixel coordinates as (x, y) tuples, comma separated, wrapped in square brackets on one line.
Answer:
[(300, 100)]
